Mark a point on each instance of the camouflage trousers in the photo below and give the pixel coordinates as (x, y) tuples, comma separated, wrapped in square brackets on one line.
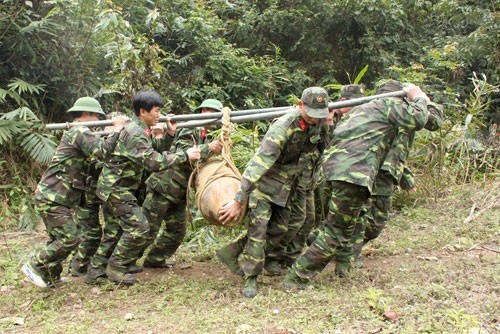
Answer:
[(301, 222), (375, 219), (167, 223), (266, 228), (90, 230), (125, 232), (63, 238), (346, 205)]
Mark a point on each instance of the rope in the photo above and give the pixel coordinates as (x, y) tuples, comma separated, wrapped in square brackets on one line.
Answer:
[(227, 160), (224, 158)]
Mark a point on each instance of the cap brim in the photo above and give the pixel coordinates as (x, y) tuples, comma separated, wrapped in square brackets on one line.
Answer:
[(89, 109), (317, 113), (353, 96)]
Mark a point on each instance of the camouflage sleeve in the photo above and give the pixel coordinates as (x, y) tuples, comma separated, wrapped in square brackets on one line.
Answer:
[(435, 119), (163, 144), (143, 152), (187, 138), (407, 181), (409, 115), (95, 146), (269, 151)]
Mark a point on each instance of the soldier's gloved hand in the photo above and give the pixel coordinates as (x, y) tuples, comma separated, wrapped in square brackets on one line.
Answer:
[(193, 153), (119, 122), (215, 147), (171, 126), (230, 212), (412, 92)]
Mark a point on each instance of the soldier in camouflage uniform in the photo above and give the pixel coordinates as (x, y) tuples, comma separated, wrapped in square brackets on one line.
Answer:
[(392, 173), (59, 192), (166, 193), (302, 209), (266, 184), (89, 226), (87, 216), (322, 191), (124, 238), (360, 145)]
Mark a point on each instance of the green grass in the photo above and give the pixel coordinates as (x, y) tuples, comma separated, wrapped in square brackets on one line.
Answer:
[(433, 271)]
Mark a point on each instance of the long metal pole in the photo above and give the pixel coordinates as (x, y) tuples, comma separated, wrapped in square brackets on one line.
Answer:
[(238, 116)]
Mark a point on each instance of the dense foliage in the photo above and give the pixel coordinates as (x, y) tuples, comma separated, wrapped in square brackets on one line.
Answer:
[(248, 54)]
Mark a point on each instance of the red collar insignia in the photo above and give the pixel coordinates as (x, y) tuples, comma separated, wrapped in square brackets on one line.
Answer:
[(147, 131), (302, 125)]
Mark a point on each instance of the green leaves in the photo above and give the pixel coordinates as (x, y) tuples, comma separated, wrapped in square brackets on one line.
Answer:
[(19, 129), (7, 130), (39, 146)]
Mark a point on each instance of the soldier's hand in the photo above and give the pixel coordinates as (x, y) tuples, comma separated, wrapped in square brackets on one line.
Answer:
[(171, 125), (230, 212), (119, 122), (158, 130), (215, 147), (193, 153), (412, 92)]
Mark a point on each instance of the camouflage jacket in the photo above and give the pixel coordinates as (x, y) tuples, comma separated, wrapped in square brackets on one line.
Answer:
[(308, 173), (274, 167), (172, 183), (396, 158), (362, 140), (64, 180), (134, 153)]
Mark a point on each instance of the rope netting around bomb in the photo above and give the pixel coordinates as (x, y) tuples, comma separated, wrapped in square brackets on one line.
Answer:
[(217, 169)]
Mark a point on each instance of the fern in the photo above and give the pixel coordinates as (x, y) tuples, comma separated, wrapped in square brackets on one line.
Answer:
[(38, 146), (8, 129), (22, 113), (19, 126), (21, 86)]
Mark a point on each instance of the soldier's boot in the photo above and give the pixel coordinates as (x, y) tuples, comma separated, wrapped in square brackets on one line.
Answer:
[(356, 251), (34, 275), (342, 268), (134, 268), (57, 281), (230, 259), (287, 261), (154, 264), (170, 262), (250, 287), (312, 236), (273, 268), (77, 269), (119, 277), (95, 276), (292, 282)]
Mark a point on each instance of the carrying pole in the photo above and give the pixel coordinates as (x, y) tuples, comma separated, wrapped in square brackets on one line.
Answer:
[(239, 116)]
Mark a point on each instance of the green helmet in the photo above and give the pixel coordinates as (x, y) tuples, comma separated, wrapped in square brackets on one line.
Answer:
[(211, 104), (88, 104)]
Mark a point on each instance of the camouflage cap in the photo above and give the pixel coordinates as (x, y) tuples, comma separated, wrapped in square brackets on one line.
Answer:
[(390, 86), (315, 101), (352, 91)]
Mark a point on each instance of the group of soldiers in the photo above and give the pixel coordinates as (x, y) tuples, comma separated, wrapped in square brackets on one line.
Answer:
[(360, 153), (140, 186), (133, 177)]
